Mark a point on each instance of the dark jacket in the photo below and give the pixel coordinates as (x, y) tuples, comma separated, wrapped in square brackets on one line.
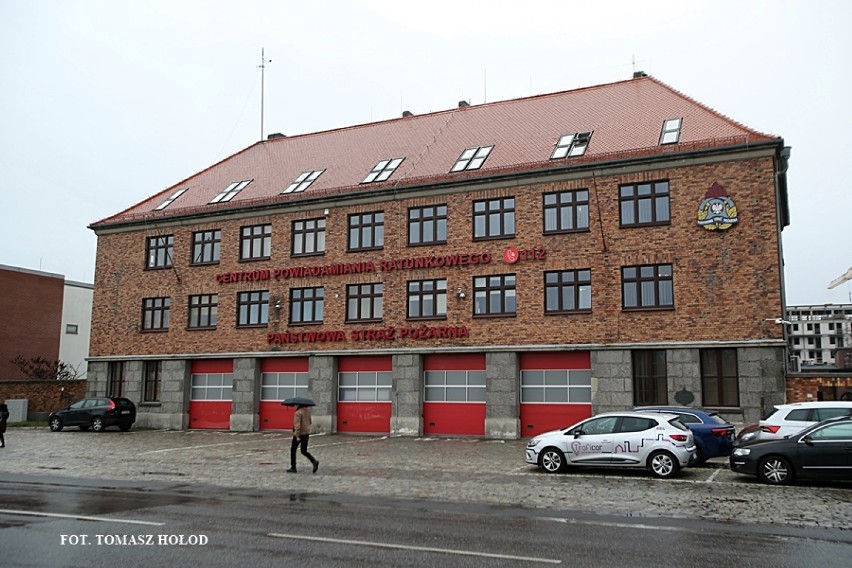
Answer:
[(4, 416)]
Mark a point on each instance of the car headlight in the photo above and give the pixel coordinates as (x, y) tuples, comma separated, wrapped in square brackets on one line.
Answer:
[(534, 442), (741, 452)]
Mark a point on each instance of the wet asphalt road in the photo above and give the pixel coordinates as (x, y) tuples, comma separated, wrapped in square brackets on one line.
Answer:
[(477, 495)]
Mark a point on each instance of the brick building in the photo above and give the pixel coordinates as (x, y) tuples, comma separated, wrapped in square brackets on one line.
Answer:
[(491, 270)]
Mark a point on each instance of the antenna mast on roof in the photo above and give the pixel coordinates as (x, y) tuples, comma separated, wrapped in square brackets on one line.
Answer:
[(263, 62)]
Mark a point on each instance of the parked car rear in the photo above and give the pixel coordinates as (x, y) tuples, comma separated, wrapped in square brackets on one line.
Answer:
[(714, 436), (96, 413), (789, 419)]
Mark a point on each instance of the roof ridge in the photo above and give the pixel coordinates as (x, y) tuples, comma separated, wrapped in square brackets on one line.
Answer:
[(710, 109)]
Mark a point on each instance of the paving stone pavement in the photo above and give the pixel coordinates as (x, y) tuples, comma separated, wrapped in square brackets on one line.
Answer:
[(445, 469)]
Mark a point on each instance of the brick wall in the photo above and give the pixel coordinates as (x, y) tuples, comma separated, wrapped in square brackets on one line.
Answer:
[(802, 388), (30, 318), (726, 282), (43, 396)]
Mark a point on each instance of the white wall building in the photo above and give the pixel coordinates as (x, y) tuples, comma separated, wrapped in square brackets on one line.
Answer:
[(76, 327)]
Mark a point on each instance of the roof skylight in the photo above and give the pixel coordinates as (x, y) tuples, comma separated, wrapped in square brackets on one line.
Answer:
[(303, 181), (472, 158), (571, 145), (671, 131), (383, 170), (169, 201), (230, 191)]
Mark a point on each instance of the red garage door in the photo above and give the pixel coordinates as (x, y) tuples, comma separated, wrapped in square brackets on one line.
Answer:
[(556, 390), (212, 381), (364, 394), (281, 378), (454, 394)]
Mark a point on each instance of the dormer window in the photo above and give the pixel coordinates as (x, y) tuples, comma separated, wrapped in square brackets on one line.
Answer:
[(671, 131), (230, 191), (303, 181), (571, 145), (383, 170), (169, 201), (472, 158)]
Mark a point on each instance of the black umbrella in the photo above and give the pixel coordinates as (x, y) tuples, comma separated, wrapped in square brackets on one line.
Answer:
[(298, 401)]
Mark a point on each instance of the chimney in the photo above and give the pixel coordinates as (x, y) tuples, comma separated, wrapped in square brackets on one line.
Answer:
[(275, 135), (407, 113), (639, 74), (463, 104)]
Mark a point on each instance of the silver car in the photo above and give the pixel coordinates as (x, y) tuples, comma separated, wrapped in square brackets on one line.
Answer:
[(658, 442)]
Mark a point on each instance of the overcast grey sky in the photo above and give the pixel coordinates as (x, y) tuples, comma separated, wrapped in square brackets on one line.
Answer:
[(104, 103)]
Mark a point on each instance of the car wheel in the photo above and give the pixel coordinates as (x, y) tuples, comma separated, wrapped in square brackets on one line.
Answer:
[(551, 460), (124, 427), (55, 424), (775, 470), (663, 464), (98, 424)]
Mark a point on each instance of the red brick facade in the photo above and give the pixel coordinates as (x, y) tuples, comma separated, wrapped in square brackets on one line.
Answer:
[(43, 396), (834, 386), (31, 311), (726, 283)]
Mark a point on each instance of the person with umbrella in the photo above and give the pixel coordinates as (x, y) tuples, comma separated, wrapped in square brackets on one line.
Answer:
[(301, 430)]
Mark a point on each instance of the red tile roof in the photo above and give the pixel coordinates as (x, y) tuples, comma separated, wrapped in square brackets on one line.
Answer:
[(625, 117)]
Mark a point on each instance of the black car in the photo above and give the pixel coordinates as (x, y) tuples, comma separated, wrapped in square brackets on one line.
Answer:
[(97, 413), (821, 451)]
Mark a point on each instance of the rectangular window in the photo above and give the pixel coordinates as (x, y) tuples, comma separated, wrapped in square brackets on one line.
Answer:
[(568, 291), (303, 182), (72, 328), (115, 378), (151, 380), (494, 218), (159, 251), (365, 386), (427, 299), (203, 311), (206, 247), (307, 305), (556, 386), (454, 386), (155, 314), (366, 231), (383, 170), (472, 159), (253, 308), (671, 131), (280, 386), (255, 242), (571, 145), (365, 302), (308, 237), (644, 204), (720, 383), (494, 295), (647, 286), (566, 211), (427, 225), (229, 192), (211, 386), (170, 199), (650, 382)]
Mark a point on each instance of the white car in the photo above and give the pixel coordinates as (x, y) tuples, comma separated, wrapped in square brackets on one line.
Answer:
[(658, 442), (789, 419)]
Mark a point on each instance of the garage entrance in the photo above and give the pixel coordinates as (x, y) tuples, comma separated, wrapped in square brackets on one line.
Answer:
[(454, 394), (556, 390), (281, 378), (364, 394), (211, 385)]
